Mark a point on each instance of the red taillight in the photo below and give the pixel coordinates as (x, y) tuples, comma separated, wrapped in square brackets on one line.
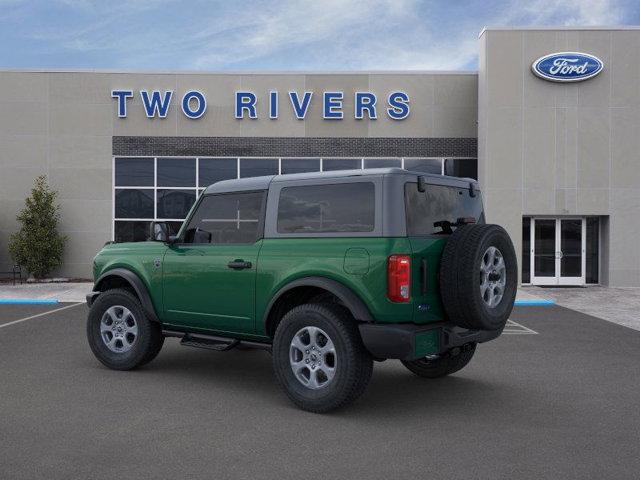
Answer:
[(399, 278)]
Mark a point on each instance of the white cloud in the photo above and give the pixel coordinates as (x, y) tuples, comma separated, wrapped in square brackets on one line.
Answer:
[(290, 35)]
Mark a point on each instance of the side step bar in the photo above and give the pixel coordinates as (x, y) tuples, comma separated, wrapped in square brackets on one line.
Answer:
[(213, 342)]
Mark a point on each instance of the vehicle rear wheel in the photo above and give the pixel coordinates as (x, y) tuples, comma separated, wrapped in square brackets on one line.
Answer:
[(441, 365), (120, 334), (319, 358)]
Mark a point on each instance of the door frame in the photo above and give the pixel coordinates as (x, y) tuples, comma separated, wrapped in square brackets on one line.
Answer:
[(558, 279)]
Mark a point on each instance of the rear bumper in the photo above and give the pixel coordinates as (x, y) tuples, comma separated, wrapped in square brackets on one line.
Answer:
[(407, 341)]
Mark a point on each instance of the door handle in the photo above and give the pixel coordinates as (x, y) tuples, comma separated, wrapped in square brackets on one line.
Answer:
[(239, 264)]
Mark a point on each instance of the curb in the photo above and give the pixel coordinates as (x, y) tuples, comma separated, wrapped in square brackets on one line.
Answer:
[(28, 301)]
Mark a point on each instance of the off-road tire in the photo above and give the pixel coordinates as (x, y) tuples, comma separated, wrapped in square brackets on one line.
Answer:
[(149, 340), (354, 364), (460, 277), (443, 365)]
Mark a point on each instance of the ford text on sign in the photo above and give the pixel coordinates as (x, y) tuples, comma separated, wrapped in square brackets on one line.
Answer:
[(567, 66)]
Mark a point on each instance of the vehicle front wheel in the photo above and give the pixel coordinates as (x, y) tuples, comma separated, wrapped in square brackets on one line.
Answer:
[(441, 365), (120, 334), (319, 358)]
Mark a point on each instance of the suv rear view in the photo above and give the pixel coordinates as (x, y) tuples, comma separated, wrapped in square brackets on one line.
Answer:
[(328, 271)]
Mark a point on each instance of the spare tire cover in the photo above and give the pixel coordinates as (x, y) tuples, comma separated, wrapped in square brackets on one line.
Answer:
[(479, 277)]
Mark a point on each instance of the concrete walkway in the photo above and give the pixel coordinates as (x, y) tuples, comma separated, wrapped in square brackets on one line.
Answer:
[(614, 304), (62, 292)]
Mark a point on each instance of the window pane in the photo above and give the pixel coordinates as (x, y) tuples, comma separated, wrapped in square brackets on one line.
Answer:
[(438, 204), (461, 167), (347, 207), (381, 162), (134, 203), (425, 165), (526, 250), (331, 164), (258, 167), (225, 219), (213, 170), (134, 172), (174, 227), (176, 172), (131, 231), (175, 203), (593, 240), (299, 165)]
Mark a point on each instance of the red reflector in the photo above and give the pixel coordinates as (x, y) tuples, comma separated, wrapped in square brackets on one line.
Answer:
[(399, 278)]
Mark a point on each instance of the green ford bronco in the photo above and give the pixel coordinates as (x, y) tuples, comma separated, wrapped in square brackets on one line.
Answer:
[(327, 271)]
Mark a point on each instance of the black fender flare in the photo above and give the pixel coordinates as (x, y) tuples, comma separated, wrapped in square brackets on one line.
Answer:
[(350, 300), (138, 285)]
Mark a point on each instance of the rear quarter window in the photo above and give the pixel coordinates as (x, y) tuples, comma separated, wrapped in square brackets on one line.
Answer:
[(338, 208), (438, 203)]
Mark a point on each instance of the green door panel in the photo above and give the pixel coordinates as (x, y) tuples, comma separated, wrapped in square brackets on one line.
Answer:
[(286, 259), (201, 291)]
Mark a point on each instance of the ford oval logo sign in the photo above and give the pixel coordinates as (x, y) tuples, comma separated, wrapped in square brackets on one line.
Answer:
[(567, 66)]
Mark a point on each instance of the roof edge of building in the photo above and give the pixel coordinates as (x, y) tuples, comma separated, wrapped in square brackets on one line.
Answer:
[(237, 72), (560, 27)]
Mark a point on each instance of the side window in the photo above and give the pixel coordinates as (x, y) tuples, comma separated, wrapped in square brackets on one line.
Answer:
[(227, 219), (339, 208)]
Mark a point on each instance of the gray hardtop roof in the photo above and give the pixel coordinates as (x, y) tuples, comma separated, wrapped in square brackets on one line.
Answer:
[(262, 183)]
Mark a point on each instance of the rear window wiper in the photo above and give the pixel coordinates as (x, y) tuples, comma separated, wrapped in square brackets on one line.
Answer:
[(446, 225)]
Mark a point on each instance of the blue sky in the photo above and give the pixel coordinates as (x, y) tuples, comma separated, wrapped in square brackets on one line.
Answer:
[(274, 35)]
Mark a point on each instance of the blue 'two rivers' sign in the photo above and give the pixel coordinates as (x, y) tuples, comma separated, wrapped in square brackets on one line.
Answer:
[(567, 66)]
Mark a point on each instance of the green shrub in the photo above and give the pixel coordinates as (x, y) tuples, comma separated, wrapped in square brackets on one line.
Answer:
[(38, 246)]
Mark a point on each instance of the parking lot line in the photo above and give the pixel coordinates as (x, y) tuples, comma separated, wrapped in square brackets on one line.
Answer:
[(39, 315), (514, 328)]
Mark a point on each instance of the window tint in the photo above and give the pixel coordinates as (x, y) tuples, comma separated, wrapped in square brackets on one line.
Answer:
[(176, 172), (331, 164), (134, 172), (461, 167), (226, 219), (258, 167), (381, 162), (426, 165), (131, 231), (213, 170), (134, 203), (299, 165), (175, 203), (438, 203), (346, 207)]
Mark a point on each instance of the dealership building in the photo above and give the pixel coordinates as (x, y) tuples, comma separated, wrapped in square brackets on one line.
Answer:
[(549, 125)]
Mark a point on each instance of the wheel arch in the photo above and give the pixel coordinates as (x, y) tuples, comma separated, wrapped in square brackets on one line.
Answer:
[(313, 285), (122, 277)]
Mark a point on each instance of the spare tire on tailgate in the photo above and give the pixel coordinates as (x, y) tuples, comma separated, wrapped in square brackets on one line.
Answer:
[(479, 277)]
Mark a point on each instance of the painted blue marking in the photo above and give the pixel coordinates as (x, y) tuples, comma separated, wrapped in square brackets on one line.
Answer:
[(27, 301), (531, 303)]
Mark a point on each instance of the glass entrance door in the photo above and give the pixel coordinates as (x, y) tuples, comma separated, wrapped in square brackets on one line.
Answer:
[(558, 251)]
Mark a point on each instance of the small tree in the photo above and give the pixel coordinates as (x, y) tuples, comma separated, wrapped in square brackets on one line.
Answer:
[(38, 246)]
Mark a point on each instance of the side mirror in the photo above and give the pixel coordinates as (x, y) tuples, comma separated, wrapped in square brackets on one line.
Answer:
[(159, 232)]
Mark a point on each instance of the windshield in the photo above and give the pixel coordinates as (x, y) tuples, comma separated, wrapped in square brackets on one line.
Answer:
[(437, 210)]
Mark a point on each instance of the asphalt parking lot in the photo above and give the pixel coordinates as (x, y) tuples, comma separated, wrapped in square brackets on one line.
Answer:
[(560, 399)]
